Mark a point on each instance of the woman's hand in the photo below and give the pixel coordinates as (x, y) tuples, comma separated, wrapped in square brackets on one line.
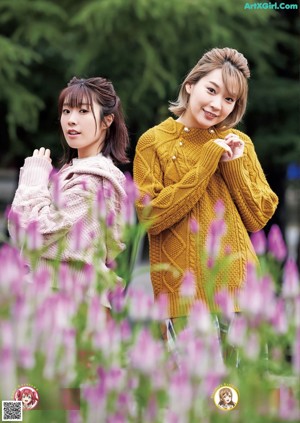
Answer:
[(236, 145), (233, 146), (227, 155), (43, 152)]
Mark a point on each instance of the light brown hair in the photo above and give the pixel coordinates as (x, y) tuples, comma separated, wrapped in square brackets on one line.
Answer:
[(235, 72)]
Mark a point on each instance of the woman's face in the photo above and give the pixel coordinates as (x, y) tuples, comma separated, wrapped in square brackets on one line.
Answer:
[(226, 398), (80, 129), (209, 102), (26, 399)]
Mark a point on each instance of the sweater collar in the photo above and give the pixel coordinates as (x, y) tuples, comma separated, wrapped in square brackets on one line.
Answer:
[(178, 129)]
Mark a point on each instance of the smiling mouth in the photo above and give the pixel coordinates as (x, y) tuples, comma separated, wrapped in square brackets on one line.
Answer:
[(72, 132), (209, 114)]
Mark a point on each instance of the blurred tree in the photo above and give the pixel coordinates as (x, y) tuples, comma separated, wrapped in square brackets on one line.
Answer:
[(30, 38), (145, 47)]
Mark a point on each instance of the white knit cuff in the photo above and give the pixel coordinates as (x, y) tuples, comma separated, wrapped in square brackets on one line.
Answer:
[(36, 171)]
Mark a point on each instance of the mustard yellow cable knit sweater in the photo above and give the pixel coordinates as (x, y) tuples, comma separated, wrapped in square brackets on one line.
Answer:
[(179, 170)]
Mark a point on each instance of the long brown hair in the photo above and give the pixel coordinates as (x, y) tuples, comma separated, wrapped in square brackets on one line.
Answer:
[(100, 90), (235, 72)]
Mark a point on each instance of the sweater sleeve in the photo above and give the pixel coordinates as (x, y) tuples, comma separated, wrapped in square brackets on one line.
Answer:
[(249, 188), (33, 201), (169, 204)]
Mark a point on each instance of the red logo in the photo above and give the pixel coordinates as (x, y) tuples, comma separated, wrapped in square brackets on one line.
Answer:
[(28, 395)]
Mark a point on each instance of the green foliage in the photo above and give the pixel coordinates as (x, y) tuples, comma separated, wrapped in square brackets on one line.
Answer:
[(145, 47)]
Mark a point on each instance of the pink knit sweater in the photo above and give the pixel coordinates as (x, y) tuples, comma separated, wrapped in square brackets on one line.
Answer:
[(88, 188)]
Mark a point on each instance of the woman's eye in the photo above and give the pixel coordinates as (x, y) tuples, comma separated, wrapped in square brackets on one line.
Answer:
[(65, 111), (230, 100), (83, 111), (211, 90)]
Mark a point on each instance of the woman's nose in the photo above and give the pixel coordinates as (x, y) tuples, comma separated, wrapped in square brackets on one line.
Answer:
[(216, 102), (72, 118)]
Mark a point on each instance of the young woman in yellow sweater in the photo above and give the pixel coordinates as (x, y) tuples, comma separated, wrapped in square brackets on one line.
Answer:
[(183, 167)]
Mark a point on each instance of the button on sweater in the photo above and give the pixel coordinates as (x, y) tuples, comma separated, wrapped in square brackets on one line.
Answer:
[(180, 177)]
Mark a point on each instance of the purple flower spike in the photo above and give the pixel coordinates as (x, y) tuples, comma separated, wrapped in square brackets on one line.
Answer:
[(74, 416), (34, 237), (296, 354), (225, 301), (100, 205), (56, 190), (220, 209), (77, 242), (188, 287), (131, 188), (279, 320), (259, 242), (13, 269), (194, 226), (15, 227), (110, 219), (276, 243), (291, 286)]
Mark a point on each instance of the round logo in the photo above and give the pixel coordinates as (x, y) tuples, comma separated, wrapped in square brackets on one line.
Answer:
[(28, 395), (226, 397)]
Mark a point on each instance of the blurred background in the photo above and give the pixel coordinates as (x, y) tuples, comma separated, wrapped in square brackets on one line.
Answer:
[(146, 47)]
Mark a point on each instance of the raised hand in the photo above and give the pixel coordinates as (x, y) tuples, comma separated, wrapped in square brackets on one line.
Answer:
[(42, 152), (233, 146), (236, 145)]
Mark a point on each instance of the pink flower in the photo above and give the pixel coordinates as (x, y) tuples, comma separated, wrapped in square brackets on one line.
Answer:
[(225, 301), (297, 311), (74, 416), (216, 232), (291, 286), (34, 237), (116, 418), (288, 407), (188, 285), (77, 241), (279, 319), (257, 298), (194, 226), (96, 318), (26, 357), (146, 353), (128, 209), (159, 310), (252, 346), (220, 209), (100, 206), (131, 188), (259, 242), (237, 331), (180, 392), (13, 269), (200, 319), (296, 353), (140, 304), (276, 243), (57, 193), (110, 218), (15, 227)]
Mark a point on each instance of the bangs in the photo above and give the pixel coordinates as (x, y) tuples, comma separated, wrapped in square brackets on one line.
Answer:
[(234, 82), (75, 96)]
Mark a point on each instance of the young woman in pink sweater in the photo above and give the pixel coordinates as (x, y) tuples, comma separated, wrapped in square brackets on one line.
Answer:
[(65, 208)]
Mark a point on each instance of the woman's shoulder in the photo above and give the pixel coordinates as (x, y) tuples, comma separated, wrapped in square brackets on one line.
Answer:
[(97, 167), (162, 131)]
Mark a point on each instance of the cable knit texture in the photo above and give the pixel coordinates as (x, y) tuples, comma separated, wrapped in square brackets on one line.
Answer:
[(179, 169), (79, 183)]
